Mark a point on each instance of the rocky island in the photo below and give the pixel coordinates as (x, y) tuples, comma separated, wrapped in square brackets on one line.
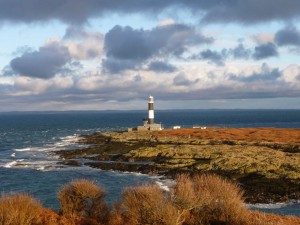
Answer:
[(264, 161)]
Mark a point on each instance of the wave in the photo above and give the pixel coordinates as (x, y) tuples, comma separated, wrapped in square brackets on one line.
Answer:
[(63, 142), (10, 164), (290, 208), (22, 149), (39, 157), (162, 185), (41, 165), (268, 206)]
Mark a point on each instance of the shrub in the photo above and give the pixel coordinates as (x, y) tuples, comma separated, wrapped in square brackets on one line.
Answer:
[(146, 204), (19, 209), (83, 198), (208, 199)]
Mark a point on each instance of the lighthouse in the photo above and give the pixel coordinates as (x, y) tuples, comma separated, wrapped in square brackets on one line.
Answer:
[(151, 110), (148, 123)]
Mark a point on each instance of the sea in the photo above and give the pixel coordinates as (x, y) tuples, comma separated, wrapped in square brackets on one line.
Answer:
[(28, 140)]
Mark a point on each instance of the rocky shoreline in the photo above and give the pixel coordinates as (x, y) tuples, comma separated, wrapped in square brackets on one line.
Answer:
[(264, 161)]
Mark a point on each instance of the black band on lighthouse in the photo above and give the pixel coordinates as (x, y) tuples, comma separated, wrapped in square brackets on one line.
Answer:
[(150, 106)]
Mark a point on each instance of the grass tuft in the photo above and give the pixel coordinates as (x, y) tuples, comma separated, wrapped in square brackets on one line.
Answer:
[(83, 198), (19, 209)]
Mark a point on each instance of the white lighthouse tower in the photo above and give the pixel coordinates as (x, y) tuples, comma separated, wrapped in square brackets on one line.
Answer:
[(148, 122), (151, 110)]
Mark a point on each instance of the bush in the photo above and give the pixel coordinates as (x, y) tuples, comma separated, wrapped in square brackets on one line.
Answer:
[(19, 209), (146, 204), (83, 198), (209, 199)]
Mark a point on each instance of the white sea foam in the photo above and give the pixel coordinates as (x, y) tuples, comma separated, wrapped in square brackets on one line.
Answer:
[(33, 149), (23, 149), (269, 206), (10, 164), (40, 157), (162, 186)]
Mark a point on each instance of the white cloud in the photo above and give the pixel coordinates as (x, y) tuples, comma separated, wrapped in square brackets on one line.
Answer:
[(26, 86), (263, 38), (291, 75), (88, 46), (166, 22)]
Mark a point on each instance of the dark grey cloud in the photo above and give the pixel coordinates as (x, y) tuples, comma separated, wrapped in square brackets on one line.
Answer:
[(251, 11), (240, 52), (182, 80), (127, 43), (265, 74), (219, 57), (160, 66), (265, 51), (44, 63), (138, 45), (112, 65), (213, 56), (79, 11), (288, 36)]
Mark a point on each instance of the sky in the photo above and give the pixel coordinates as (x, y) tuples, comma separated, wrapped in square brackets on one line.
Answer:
[(189, 54)]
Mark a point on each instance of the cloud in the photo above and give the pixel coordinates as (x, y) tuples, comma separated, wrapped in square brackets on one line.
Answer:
[(112, 65), (265, 51), (219, 57), (44, 63), (265, 73), (78, 33), (137, 78), (78, 11), (127, 43), (27, 86), (263, 38), (240, 52), (213, 56), (82, 45), (160, 66), (166, 22), (291, 75), (130, 47), (288, 36), (190, 83), (249, 11), (182, 80), (57, 56)]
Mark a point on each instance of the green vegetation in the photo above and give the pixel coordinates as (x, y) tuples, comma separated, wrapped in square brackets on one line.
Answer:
[(268, 170)]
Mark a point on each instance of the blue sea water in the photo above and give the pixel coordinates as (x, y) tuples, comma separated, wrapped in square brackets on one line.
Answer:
[(27, 142)]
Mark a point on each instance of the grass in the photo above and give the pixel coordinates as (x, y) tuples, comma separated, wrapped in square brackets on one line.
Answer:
[(83, 198), (146, 204), (209, 199), (19, 209), (194, 200)]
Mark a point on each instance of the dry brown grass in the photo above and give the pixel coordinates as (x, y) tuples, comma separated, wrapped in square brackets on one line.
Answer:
[(194, 200), (83, 198), (19, 209), (245, 134), (209, 199), (145, 204), (197, 200), (259, 218)]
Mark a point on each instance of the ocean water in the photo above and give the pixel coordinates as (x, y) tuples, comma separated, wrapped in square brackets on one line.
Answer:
[(27, 142)]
